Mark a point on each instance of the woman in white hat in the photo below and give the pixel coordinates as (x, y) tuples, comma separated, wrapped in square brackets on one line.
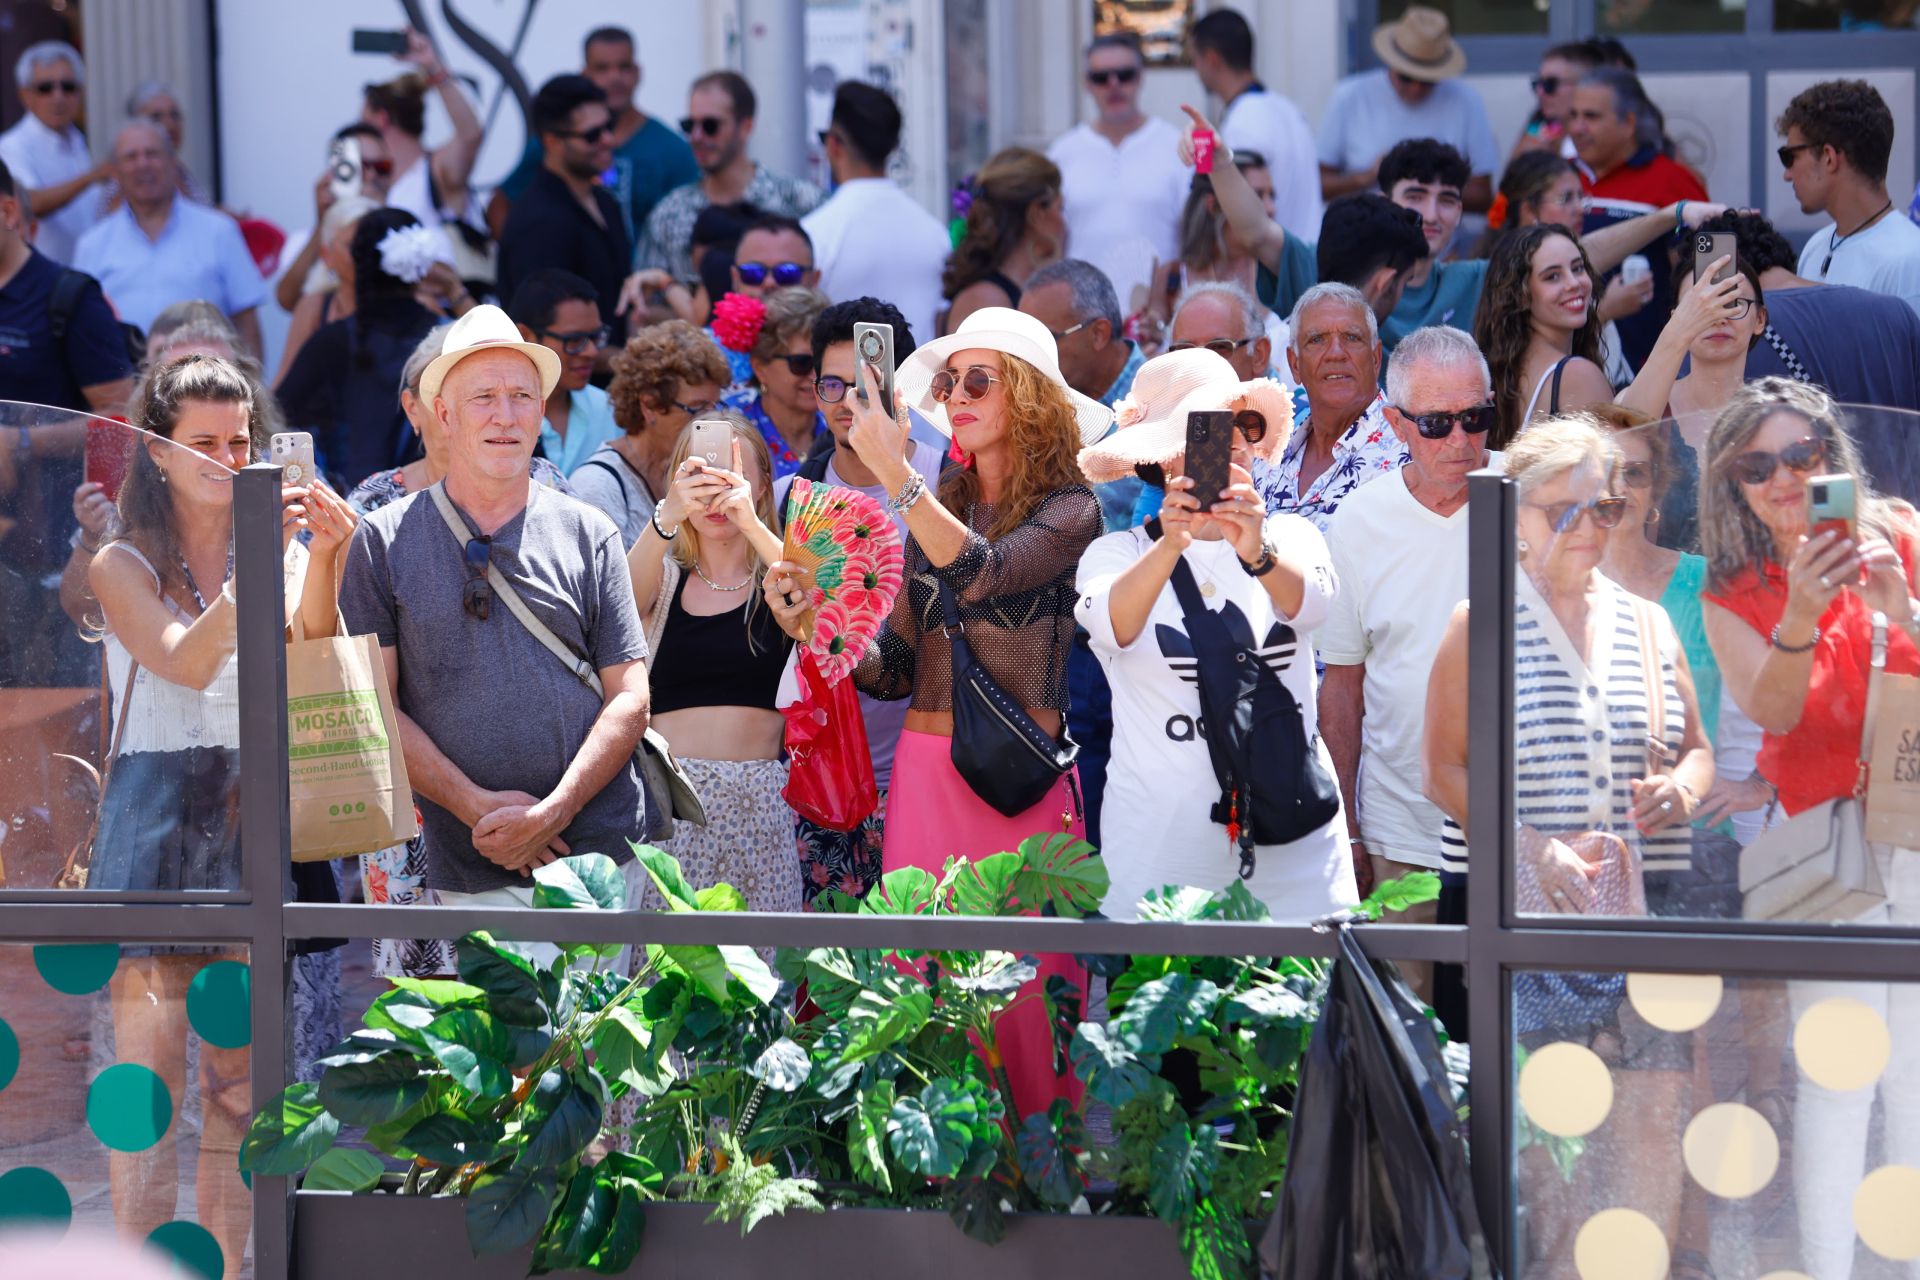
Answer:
[(1003, 534), (1270, 580)]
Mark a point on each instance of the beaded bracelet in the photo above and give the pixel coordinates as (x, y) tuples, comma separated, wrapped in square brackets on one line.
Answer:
[(1774, 640), (654, 520), (911, 492)]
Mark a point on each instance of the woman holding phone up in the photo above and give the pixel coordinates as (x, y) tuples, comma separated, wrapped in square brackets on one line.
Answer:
[(716, 657)]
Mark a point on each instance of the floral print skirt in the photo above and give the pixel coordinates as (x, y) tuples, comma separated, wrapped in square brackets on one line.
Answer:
[(748, 840)]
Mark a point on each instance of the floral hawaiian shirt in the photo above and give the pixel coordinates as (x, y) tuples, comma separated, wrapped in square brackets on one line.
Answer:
[(1365, 451), (785, 461)]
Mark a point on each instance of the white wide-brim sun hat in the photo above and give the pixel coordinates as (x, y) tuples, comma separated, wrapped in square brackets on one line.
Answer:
[(1011, 333), (487, 328), (1153, 416)]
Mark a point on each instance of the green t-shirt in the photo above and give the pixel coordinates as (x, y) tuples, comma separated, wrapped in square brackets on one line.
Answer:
[(1450, 296), (646, 166), (1298, 273)]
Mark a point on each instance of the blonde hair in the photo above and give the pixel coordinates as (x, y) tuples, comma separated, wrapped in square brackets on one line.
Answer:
[(686, 543), (1552, 447), (1043, 448)]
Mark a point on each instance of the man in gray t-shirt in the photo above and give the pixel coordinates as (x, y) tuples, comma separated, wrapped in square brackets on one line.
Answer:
[(514, 760)]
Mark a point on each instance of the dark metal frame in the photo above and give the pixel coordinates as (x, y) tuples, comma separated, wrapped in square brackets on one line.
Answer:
[(1493, 947)]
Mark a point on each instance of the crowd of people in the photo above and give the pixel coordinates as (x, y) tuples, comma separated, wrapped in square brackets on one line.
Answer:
[(505, 390)]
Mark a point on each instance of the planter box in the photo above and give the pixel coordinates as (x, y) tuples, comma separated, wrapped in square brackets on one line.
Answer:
[(341, 1235)]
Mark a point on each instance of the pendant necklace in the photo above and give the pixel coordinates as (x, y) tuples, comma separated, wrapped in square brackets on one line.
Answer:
[(1836, 240), (738, 586)]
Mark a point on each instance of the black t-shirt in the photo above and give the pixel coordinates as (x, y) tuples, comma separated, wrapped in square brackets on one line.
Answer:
[(33, 366), (548, 228)]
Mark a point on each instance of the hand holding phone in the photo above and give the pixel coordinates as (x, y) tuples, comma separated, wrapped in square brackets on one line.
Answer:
[(1209, 454), (292, 452), (873, 349)]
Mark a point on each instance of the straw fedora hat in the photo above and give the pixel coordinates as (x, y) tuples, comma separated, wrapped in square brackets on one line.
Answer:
[(1010, 332), (1420, 45), (1153, 417), (483, 329)]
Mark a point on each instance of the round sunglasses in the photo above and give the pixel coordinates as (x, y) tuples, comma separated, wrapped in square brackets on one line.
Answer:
[(1476, 421), (972, 384), (785, 274), (1758, 465), (1563, 516)]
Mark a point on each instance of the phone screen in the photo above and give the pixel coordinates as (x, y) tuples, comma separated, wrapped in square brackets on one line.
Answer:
[(1708, 246), (1209, 453), (374, 41)]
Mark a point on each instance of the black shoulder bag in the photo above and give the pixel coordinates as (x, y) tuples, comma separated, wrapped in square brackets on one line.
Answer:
[(1008, 760), (1274, 789)]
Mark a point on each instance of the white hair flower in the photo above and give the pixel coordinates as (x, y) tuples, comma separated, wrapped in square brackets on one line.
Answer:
[(408, 253)]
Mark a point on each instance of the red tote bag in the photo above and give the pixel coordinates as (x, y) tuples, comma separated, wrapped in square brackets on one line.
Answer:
[(830, 771)]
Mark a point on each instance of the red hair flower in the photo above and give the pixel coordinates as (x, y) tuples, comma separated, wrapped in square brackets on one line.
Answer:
[(736, 321), (1497, 212)]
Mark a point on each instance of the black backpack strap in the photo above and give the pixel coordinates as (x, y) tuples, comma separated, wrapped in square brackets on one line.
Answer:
[(1204, 629), (613, 471), (68, 292)]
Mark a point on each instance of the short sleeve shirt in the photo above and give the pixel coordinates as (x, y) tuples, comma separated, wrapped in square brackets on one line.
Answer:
[(1268, 123), (1365, 118), (37, 369), (1365, 451), (646, 166), (667, 238), (199, 253), (1884, 258), (464, 681), (1449, 296), (1122, 203)]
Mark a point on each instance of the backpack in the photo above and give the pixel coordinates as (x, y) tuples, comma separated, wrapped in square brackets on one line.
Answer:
[(64, 303)]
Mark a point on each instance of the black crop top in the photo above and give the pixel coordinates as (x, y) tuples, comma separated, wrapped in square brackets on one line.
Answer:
[(706, 662)]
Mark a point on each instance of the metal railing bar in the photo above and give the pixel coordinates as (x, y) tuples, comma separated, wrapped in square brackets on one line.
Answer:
[(1585, 950), (126, 922), (30, 897)]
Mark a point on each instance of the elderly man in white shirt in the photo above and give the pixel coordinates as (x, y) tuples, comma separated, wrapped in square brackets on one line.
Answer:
[(46, 152), (1122, 182), (870, 238)]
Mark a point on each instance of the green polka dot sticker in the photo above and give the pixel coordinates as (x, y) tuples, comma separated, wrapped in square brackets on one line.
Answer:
[(9, 1054), (128, 1107), (30, 1196), (192, 1246), (75, 969), (219, 1004)]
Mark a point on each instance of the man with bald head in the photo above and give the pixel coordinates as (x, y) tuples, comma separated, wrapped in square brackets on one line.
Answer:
[(503, 793), (159, 248), (1223, 317)]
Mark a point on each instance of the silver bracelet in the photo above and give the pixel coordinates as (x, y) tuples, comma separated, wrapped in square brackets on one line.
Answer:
[(226, 593), (911, 492)]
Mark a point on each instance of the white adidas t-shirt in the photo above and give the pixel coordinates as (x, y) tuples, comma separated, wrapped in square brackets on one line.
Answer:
[(1160, 785)]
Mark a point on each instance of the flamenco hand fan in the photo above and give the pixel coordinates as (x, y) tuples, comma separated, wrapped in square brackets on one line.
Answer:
[(851, 548)]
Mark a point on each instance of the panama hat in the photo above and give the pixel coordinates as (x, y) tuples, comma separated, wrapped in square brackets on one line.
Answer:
[(1152, 418), (1420, 45), (483, 329), (1011, 333)]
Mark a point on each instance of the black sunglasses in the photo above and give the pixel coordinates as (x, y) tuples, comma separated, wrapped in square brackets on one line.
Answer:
[(709, 125), (1219, 346), (1476, 421), (1787, 154), (1125, 75), (696, 409), (800, 364), (785, 274), (1563, 516), (580, 342), (1251, 424), (973, 384), (1546, 84), (68, 87), (1757, 466), (477, 597), (588, 136)]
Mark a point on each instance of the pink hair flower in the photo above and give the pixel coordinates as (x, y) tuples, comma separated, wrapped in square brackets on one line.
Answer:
[(736, 321), (1127, 411)]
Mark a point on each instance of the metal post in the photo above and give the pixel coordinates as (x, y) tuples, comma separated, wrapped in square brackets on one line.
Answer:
[(772, 58), (265, 839), (1490, 802)]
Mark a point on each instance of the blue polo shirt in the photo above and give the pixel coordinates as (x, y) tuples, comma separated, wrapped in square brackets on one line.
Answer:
[(198, 254), (590, 424), (36, 369)]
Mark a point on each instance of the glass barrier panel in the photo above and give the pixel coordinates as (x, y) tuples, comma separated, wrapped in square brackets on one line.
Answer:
[(119, 720), (1695, 1125), (124, 1095), (1723, 568)]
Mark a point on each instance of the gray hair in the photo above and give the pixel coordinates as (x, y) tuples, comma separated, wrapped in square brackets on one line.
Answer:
[(39, 55), (1331, 292), (141, 122), (425, 353), (1437, 346), (1235, 294), (1554, 446), (146, 91), (209, 321), (1093, 296), (1629, 95)]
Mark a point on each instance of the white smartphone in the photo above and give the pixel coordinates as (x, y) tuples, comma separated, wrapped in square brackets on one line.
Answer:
[(712, 442), (292, 452), (873, 348), (343, 167)]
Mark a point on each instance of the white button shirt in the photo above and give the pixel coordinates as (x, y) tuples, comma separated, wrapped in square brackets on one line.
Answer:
[(871, 239), (199, 253), (1267, 122), (1123, 202), (37, 157)]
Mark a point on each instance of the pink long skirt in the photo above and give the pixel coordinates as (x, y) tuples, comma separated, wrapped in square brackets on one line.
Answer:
[(932, 815)]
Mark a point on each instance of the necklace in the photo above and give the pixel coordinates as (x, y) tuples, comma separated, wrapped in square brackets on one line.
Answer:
[(1836, 240), (738, 586), (194, 587)]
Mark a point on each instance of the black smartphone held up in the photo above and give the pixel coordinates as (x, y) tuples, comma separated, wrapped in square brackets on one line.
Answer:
[(366, 40), (1709, 245), (1209, 453), (873, 348)]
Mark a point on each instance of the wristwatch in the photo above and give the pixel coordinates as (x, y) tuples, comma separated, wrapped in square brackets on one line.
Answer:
[(1264, 565)]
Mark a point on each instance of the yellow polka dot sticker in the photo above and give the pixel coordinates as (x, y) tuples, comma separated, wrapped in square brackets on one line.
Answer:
[(1565, 1089), (1883, 1212), (1842, 1044), (1675, 1001), (1786, 1275), (1620, 1244), (1731, 1150)]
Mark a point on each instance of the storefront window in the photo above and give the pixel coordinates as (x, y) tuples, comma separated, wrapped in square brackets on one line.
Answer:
[(1846, 15), (1481, 17), (1669, 17)]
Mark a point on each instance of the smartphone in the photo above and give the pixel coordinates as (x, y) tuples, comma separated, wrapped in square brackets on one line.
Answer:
[(1203, 146), (343, 167), (292, 452), (712, 442), (1831, 505), (873, 347), (366, 40), (1708, 245), (109, 451), (1209, 453)]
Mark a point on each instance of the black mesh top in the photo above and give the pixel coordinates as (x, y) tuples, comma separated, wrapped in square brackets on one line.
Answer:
[(1016, 598)]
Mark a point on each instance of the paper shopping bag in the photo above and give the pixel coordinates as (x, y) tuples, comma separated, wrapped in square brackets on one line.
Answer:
[(346, 779), (1893, 783)]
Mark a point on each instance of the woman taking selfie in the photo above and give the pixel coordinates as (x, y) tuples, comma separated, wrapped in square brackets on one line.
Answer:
[(998, 544), (1790, 616), (1015, 226), (1268, 575), (717, 654), (169, 811)]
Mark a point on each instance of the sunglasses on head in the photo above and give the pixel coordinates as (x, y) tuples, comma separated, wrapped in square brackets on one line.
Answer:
[(68, 87), (1563, 516), (709, 125), (1122, 75), (799, 364), (580, 342), (477, 597), (972, 384), (588, 136), (1757, 466), (1638, 475), (1476, 421), (1547, 84), (1219, 346), (785, 274)]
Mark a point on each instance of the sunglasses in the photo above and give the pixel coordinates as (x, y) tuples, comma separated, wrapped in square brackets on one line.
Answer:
[(785, 274), (1476, 421), (1063, 334), (68, 87), (383, 165), (477, 597), (972, 385), (579, 343), (799, 365), (1787, 154), (709, 125), (1563, 516), (588, 136), (1800, 457), (1638, 475), (1219, 346), (1122, 75), (1251, 424), (695, 409), (1547, 84)]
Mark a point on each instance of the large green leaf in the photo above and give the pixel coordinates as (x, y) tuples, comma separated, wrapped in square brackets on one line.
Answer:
[(514, 995), (449, 1139), (621, 1244), (580, 882), (475, 1050), (1046, 1150), (703, 964), (371, 1093), (1215, 1241), (1062, 871), (974, 1206), (1181, 1174), (998, 973), (1113, 1072), (402, 1014), (575, 1229), (560, 1118), (720, 897), (444, 992), (1273, 1004), (344, 1169), (783, 1066), (1409, 890), (665, 873), (1237, 903), (507, 1209), (1064, 1003), (745, 964), (930, 1134), (875, 1021), (905, 891), (985, 886), (290, 1133), (1165, 1011), (1178, 903), (627, 1055), (866, 1134)]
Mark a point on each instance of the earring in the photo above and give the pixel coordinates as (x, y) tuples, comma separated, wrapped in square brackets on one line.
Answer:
[(163, 474), (1520, 545)]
